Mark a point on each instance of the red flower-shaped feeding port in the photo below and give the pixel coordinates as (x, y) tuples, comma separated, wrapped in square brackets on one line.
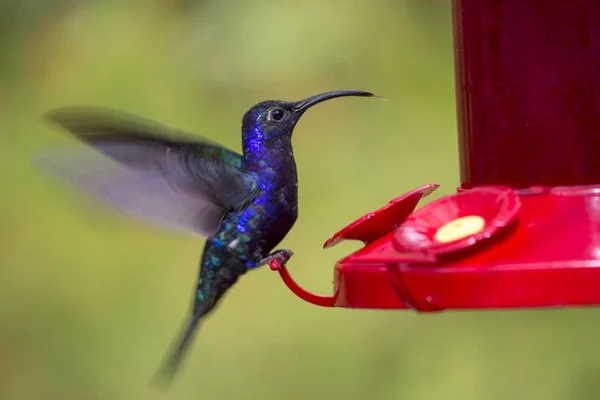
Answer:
[(457, 222)]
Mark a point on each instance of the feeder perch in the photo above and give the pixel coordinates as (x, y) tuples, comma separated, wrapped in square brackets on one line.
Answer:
[(523, 228)]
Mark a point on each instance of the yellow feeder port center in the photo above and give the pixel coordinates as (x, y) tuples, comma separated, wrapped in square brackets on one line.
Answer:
[(459, 228)]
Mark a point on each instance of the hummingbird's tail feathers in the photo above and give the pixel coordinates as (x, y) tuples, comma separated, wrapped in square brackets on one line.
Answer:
[(164, 377)]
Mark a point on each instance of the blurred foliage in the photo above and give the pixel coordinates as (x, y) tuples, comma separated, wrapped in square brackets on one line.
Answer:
[(90, 301)]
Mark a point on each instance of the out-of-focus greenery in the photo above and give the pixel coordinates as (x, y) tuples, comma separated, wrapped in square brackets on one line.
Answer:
[(90, 301)]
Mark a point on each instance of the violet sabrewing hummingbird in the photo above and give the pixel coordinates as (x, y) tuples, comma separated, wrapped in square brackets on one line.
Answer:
[(244, 204)]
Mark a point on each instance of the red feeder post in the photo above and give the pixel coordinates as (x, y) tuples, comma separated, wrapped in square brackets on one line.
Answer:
[(523, 230)]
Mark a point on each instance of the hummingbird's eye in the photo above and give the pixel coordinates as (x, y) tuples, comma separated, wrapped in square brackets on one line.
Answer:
[(277, 114)]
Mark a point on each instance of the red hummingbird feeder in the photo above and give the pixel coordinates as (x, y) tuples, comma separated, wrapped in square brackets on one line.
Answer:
[(523, 229)]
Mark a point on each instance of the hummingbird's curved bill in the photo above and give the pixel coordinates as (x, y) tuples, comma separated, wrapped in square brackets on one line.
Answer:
[(304, 104)]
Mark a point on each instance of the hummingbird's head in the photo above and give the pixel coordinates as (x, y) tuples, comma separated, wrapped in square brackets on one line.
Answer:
[(271, 121)]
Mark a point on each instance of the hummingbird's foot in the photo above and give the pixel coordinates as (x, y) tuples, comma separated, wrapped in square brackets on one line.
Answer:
[(277, 259)]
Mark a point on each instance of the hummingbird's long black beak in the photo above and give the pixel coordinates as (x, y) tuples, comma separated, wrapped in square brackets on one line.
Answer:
[(305, 104)]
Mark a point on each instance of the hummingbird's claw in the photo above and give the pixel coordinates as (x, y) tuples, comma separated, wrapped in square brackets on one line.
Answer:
[(277, 259)]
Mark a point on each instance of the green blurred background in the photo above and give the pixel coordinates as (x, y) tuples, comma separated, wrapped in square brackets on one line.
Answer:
[(90, 301)]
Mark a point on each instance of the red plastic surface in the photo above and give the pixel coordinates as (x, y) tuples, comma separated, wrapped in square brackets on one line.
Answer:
[(527, 87), (377, 223), (323, 301), (528, 84), (498, 207), (550, 256), (547, 254)]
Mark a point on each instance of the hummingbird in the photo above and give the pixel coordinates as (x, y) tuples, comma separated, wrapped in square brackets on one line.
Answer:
[(243, 204)]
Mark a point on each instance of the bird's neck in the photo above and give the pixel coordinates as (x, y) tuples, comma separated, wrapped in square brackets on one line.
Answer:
[(273, 162), (262, 150), (260, 156)]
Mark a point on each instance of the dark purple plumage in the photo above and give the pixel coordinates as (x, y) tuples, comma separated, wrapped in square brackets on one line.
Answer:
[(244, 204)]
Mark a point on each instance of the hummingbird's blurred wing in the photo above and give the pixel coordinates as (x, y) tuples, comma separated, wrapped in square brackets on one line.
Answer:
[(149, 171)]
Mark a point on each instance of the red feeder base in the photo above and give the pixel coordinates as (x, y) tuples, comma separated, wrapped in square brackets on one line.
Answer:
[(488, 247)]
